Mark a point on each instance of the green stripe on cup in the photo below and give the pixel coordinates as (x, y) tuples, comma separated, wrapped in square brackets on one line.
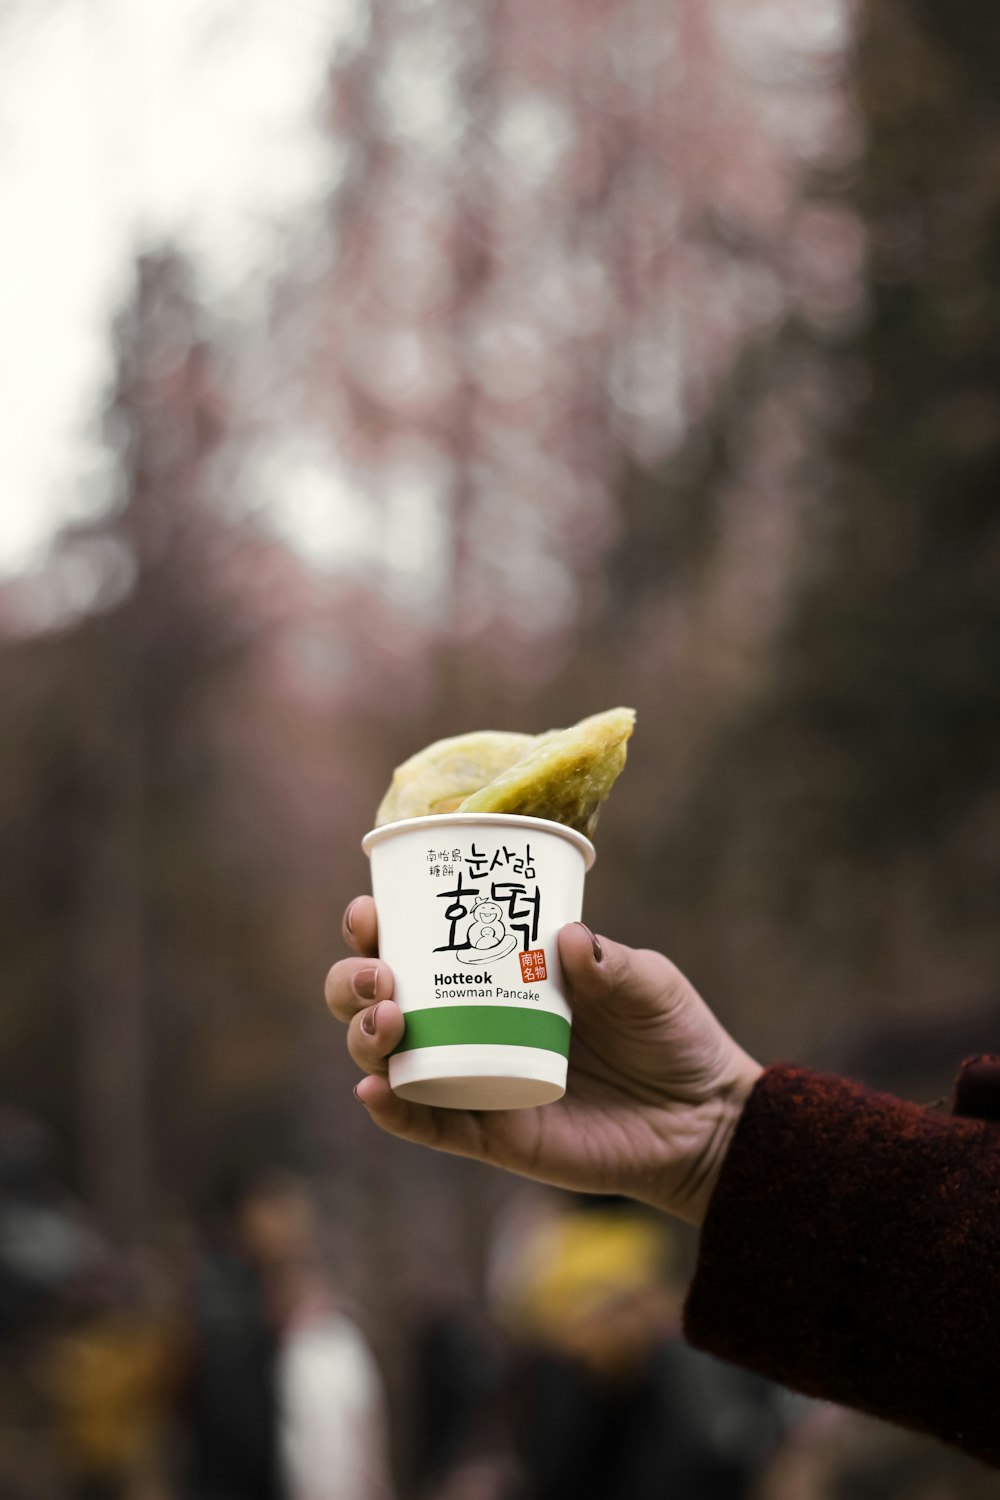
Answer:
[(489, 1025)]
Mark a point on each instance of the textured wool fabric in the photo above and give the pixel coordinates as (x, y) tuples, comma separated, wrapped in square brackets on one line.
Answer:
[(977, 1092), (851, 1251)]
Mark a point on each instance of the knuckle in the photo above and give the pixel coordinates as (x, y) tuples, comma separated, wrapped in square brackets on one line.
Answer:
[(371, 1050), (363, 1050), (671, 986), (340, 997)]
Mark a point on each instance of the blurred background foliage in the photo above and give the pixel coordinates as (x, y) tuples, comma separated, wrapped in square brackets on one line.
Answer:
[(656, 351)]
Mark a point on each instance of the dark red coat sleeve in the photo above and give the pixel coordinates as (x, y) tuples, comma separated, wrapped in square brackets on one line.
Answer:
[(851, 1250)]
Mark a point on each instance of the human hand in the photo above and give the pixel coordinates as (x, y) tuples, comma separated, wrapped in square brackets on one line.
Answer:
[(655, 1085)]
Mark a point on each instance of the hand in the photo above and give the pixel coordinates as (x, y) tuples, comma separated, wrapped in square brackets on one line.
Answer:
[(655, 1084)]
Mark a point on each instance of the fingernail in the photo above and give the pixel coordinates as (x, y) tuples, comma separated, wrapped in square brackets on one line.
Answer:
[(365, 982), (357, 1095), (598, 950), (349, 919), (369, 1023)]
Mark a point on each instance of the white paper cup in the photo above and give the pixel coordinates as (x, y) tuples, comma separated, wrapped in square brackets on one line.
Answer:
[(469, 905)]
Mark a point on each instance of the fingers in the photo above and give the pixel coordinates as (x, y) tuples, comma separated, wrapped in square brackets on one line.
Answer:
[(360, 926), (359, 992), (354, 984), (374, 1033), (457, 1131)]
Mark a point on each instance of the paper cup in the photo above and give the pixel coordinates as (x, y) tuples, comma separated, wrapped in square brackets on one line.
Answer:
[(469, 905)]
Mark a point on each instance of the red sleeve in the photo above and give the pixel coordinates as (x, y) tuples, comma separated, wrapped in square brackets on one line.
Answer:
[(851, 1250)]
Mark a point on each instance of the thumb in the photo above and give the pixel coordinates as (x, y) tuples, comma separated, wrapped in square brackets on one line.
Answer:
[(636, 980)]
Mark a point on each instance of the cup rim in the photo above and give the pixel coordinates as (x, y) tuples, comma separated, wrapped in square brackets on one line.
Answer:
[(501, 820)]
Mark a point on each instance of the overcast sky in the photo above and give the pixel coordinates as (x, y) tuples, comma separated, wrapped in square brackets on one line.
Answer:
[(123, 122)]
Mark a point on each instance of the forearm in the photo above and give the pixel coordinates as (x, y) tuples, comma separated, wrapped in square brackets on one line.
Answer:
[(851, 1250)]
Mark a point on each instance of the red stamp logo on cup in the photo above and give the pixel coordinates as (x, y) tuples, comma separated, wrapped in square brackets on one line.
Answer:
[(533, 965)]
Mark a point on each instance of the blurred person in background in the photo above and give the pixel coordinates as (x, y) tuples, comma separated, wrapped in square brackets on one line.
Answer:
[(49, 1251), (283, 1400), (46, 1240), (109, 1371), (230, 1405), (460, 1361), (608, 1399)]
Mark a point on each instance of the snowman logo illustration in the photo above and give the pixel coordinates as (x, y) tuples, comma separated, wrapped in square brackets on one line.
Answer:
[(487, 937)]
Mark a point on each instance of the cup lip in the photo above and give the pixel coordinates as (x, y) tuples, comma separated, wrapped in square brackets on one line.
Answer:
[(495, 820)]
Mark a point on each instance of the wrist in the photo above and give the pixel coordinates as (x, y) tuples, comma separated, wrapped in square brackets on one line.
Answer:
[(731, 1106), (711, 1127)]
